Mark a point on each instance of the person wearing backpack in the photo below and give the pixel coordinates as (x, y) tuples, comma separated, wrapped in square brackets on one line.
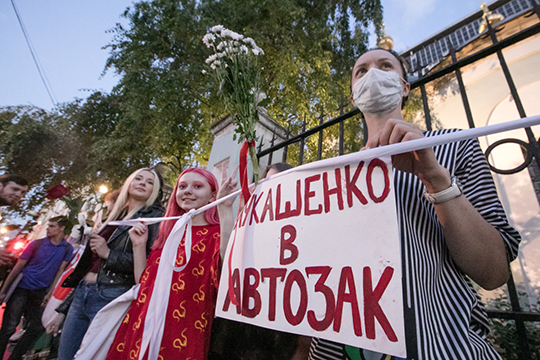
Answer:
[(41, 264)]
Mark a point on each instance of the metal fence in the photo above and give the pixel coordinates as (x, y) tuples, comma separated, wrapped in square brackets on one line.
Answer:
[(453, 65)]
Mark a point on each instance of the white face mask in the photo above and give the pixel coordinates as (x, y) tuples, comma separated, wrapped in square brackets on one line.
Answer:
[(378, 92)]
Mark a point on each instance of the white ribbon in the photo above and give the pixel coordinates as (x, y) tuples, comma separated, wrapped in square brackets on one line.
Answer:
[(147, 221), (154, 322), (424, 143)]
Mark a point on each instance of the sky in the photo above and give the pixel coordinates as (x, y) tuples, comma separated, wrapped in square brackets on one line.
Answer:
[(68, 36)]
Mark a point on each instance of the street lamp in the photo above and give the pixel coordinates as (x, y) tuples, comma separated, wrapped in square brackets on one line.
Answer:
[(103, 189)]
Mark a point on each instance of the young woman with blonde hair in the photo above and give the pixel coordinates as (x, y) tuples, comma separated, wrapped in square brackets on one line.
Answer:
[(105, 270)]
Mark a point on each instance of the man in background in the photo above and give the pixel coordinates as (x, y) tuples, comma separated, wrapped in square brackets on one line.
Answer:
[(12, 189), (41, 263)]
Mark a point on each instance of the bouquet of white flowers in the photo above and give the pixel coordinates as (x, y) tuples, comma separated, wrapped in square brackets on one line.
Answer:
[(234, 66)]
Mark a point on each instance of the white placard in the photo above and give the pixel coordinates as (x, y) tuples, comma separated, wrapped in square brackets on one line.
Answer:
[(317, 252)]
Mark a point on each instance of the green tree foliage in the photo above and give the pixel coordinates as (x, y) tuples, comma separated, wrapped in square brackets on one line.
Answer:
[(159, 58), (31, 146), (110, 144), (163, 106), (82, 144), (309, 47)]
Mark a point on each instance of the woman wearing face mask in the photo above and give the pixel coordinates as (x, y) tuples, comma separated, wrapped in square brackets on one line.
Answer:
[(105, 270), (453, 228)]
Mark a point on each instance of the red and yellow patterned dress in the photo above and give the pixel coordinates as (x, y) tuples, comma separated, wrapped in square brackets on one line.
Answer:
[(191, 303)]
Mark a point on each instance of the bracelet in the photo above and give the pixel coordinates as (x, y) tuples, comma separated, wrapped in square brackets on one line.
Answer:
[(448, 194)]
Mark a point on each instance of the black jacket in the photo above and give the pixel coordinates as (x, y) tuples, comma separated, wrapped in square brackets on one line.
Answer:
[(117, 269)]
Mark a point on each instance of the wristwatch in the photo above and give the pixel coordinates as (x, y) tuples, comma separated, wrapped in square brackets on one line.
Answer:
[(448, 194)]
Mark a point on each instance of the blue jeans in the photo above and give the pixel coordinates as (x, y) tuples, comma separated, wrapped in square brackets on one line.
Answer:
[(27, 302), (89, 298)]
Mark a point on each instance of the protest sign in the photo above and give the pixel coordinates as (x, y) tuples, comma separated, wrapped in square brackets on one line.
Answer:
[(317, 252)]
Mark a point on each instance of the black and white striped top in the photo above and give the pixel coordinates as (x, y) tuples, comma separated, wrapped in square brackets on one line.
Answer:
[(444, 317)]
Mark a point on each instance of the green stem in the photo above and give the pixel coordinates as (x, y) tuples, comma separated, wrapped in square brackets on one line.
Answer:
[(255, 163)]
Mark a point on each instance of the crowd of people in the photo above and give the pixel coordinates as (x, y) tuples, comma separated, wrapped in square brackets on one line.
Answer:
[(453, 232)]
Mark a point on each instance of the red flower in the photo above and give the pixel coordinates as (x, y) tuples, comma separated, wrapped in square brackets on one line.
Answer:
[(57, 191)]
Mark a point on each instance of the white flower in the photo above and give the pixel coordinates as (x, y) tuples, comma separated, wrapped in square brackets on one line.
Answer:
[(213, 67), (217, 28), (204, 71), (217, 63), (211, 58), (244, 49), (236, 36), (257, 52), (251, 42), (208, 38), (260, 96), (221, 45), (226, 33), (221, 54)]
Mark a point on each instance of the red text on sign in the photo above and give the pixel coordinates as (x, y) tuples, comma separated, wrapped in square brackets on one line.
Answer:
[(346, 294)]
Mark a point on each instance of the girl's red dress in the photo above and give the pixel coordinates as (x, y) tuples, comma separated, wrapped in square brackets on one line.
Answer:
[(191, 303)]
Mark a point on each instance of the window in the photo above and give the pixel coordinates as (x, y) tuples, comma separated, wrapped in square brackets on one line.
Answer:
[(509, 10), (465, 34), (460, 38), (431, 55), (472, 30), (454, 40), (413, 63), (423, 57), (437, 49), (444, 44)]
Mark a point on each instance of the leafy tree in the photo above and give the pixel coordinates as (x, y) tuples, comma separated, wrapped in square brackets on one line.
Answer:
[(160, 58), (109, 147), (83, 144), (310, 48), (163, 106), (31, 147)]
